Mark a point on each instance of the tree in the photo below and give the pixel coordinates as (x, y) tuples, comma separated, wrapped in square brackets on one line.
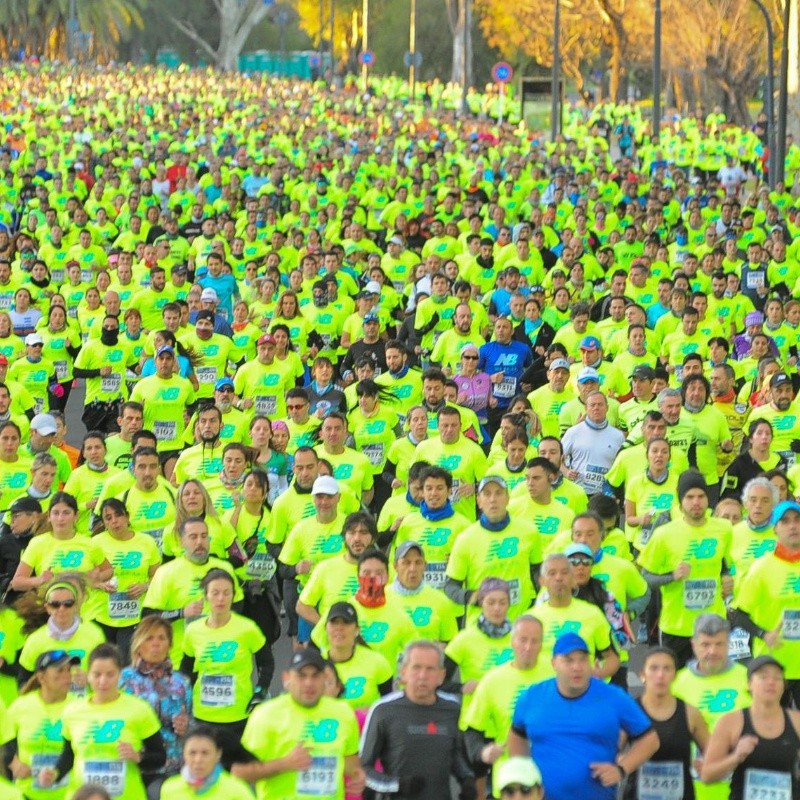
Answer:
[(237, 19), (39, 27), (459, 17)]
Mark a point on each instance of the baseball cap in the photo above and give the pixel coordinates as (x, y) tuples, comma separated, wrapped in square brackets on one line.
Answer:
[(569, 643), (778, 512), (559, 363), (578, 549), (763, 661), (267, 338), (643, 373), (588, 374), (182, 268), (779, 379), (590, 343), (370, 318), (45, 424), (517, 770), (33, 338), (404, 548), (396, 240), (55, 658), (499, 480), (325, 484), (26, 505), (343, 611), (373, 287), (308, 658), (223, 383), (165, 350), (209, 296)]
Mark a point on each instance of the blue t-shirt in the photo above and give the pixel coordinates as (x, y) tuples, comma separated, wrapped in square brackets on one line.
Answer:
[(568, 734), (225, 287), (512, 360)]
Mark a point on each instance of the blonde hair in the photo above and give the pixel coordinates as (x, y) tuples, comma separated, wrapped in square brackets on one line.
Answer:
[(145, 629)]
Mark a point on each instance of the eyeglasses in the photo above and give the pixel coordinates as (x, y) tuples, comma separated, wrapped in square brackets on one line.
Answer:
[(469, 358), (518, 788), (60, 603), (581, 561), (295, 406)]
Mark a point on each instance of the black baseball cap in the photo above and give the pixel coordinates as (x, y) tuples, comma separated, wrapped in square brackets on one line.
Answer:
[(55, 658), (643, 373), (343, 611), (307, 658)]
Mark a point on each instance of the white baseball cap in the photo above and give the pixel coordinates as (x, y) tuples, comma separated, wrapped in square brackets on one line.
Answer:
[(325, 484)]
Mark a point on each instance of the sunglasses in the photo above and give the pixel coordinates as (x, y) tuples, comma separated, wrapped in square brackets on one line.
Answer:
[(469, 358), (295, 406), (516, 789), (226, 390), (581, 561), (60, 603)]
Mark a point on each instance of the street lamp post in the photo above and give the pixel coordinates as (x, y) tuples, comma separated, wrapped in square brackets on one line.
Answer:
[(770, 93), (657, 70), (555, 109), (783, 95), (412, 48)]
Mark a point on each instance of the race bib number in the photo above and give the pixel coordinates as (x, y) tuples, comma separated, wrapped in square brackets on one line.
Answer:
[(374, 452), (789, 457), (57, 275), (206, 375), (61, 370), (266, 405), (661, 780), (111, 383), (435, 574), (764, 784), (506, 388), (5, 302), (108, 774), (40, 761), (513, 591), (739, 644), (454, 491), (261, 566), (755, 280), (594, 478), (699, 594), (38, 405), (319, 779), (216, 690), (791, 626), (87, 275), (122, 606), (165, 431), (399, 286)]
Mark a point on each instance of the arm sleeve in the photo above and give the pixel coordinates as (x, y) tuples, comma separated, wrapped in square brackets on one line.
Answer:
[(372, 746), (456, 592), (656, 581), (474, 742), (65, 760)]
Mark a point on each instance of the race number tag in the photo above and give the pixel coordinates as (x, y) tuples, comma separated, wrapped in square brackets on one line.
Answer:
[(506, 388), (764, 784), (739, 644), (122, 606), (87, 275), (755, 280), (216, 690), (374, 452), (266, 405), (791, 625), (513, 590), (165, 431), (261, 566), (108, 774), (594, 478), (435, 574), (319, 779), (699, 594), (206, 375), (661, 780), (454, 498), (40, 761), (111, 383), (61, 370)]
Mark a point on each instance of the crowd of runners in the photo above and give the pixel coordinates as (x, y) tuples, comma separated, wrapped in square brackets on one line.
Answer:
[(463, 414)]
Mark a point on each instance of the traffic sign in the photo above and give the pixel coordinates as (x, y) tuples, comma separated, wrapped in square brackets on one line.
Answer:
[(502, 72), (314, 60), (367, 58), (412, 59)]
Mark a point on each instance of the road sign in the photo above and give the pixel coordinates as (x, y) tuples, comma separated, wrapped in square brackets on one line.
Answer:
[(502, 72), (367, 58), (314, 60), (412, 59)]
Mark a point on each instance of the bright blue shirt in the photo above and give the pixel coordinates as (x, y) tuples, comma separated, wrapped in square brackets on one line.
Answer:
[(568, 734), (512, 360), (226, 288)]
